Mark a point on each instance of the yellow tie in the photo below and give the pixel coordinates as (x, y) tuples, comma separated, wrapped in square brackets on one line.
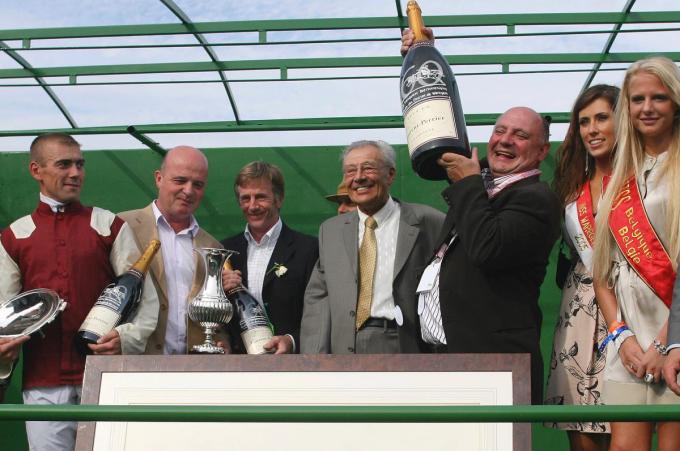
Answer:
[(367, 257)]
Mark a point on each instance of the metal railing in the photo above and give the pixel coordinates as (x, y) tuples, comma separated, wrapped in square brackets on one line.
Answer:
[(341, 414)]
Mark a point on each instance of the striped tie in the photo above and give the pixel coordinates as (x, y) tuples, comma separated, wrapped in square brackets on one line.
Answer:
[(367, 259)]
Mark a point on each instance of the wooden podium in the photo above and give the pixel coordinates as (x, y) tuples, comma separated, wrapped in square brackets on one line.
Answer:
[(403, 379)]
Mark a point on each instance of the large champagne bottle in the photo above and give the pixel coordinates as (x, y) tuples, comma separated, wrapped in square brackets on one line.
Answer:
[(118, 302), (253, 322), (433, 115)]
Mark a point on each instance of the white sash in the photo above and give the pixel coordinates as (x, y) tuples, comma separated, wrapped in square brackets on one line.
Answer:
[(577, 236)]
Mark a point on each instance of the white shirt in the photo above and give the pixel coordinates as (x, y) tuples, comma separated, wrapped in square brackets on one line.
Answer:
[(179, 265), (259, 255), (54, 205), (387, 218)]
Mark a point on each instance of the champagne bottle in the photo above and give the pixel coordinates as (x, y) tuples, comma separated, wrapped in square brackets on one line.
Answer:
[(433, 115), (118, 302), (256, 329)]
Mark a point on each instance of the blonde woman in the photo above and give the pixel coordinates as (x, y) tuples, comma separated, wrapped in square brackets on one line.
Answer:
[(637, 247)]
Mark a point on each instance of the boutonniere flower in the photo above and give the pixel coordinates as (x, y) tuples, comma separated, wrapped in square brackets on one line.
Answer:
[(279, 269)]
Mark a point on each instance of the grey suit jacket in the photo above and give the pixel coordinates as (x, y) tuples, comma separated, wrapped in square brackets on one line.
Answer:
[(674, 320), (143, 224), (328, 318)]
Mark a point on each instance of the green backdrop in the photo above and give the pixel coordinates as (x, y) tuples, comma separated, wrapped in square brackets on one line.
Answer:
[(123, 179)]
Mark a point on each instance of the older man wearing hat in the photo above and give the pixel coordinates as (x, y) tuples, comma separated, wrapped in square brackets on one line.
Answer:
[(341, 197)]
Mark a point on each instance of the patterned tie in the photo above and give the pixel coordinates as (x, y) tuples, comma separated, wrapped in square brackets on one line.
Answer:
[(367, 258)]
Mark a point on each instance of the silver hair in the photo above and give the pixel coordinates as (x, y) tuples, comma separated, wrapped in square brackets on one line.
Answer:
[(388, 153)]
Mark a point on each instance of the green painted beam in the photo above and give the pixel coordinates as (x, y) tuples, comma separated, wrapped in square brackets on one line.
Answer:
[(341, 24), (340, 414), (189, 25), (148, 142), (42, 83), (332, 123), (263, 40), (316, 63), (608, 45)]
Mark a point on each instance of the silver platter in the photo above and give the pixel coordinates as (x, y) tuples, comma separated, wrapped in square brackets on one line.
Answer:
[(28, 312)]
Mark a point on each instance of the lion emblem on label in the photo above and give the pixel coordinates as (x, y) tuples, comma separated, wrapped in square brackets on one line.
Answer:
[(428, 74), (113, 296)]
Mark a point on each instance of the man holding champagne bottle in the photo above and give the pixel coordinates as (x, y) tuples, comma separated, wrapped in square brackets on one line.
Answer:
[(76, 251), (479, 294), (176, 272), (274, 261)]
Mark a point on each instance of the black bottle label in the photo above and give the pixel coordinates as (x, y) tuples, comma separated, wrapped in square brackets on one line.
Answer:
[(426, 103)]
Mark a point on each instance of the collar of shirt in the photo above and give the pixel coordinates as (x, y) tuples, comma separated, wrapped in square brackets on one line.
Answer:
[(271, 235), (161, 221), (54, 205), (381, 215), (496, 185)]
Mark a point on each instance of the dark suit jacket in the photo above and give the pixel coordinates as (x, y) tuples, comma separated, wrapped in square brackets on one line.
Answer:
[(283, 296), (491, 276)]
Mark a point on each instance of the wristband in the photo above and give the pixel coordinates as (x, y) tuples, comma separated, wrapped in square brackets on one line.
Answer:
[(615, 325), (612, 337)]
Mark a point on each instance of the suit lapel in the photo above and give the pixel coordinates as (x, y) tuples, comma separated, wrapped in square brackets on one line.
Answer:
[(283, 251), (406, 238), (350, 235)]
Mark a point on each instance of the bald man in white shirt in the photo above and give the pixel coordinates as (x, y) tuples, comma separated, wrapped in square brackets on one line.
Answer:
[(176, 271)]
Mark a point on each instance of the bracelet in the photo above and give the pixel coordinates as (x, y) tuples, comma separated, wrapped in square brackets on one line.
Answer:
[(661, 349), (612, 337), (615, 325)]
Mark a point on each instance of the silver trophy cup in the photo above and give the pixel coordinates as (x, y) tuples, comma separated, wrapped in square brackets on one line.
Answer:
[(210, 307)]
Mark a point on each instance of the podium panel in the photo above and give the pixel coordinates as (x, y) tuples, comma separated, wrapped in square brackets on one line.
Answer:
[(306, 380)]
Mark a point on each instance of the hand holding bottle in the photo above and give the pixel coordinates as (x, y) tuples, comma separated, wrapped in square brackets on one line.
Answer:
[(117, 304), (458, 166), (230, 278), (109, 344), (408, 37), (279, 344)]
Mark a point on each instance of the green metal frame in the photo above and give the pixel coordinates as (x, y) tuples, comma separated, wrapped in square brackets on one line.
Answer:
[(506, 63), (48, 90), (334, 123), (608, 45), (340, 414), (353, 23), (322, 63), (177, 11)]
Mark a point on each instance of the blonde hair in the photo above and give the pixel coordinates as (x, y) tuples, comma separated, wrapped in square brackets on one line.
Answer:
[(629, 159)]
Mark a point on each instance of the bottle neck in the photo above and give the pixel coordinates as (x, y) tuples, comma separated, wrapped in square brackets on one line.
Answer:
[(142, 265), (415, 21)]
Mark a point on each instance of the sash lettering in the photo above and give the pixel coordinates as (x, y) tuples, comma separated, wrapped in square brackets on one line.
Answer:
[(639, 243), (580, 224)]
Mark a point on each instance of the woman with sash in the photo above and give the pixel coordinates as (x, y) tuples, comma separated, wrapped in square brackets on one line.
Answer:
[(637, 247), (576, 368)]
